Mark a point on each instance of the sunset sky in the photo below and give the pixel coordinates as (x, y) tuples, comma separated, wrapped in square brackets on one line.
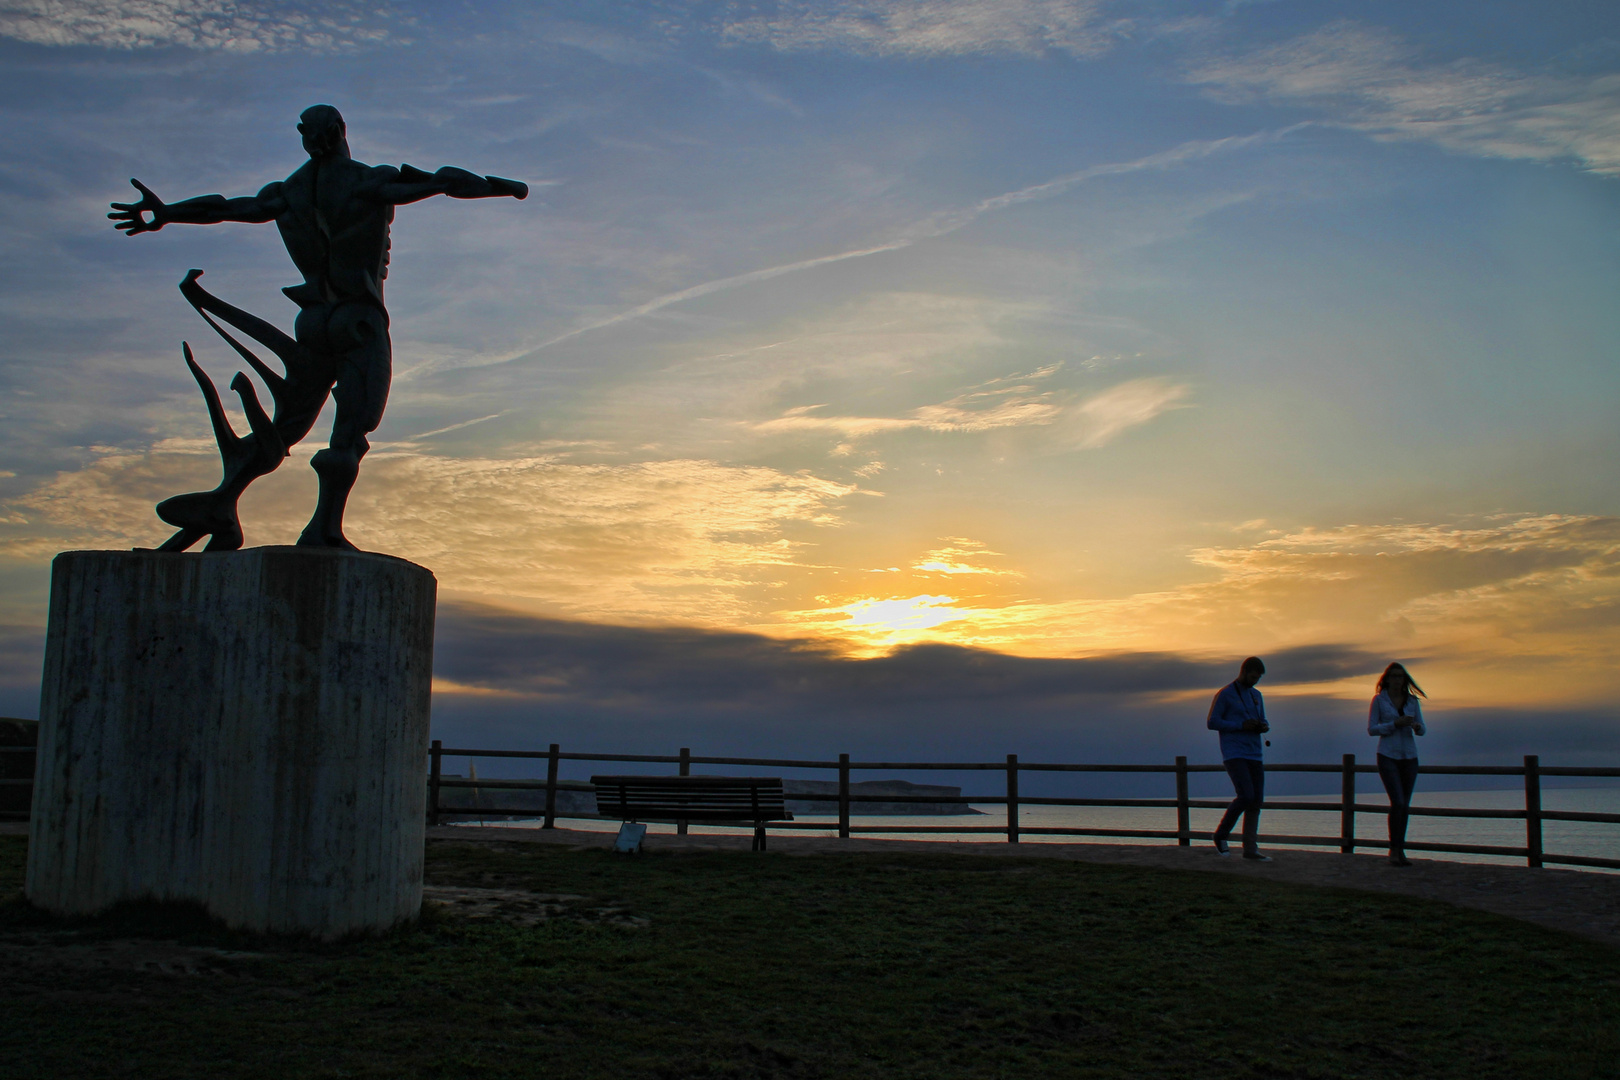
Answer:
[(1126, 337)]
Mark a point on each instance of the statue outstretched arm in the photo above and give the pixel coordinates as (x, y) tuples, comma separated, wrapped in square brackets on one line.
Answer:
[(406, 184), (131, 218)]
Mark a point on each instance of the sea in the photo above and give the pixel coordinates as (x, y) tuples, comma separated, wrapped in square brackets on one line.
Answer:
[(1591, 839)]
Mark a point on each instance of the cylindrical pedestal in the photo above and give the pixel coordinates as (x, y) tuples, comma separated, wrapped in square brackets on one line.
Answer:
[(244, 729)]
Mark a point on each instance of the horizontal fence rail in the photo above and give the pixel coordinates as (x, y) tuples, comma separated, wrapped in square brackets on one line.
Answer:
[(16, 781), (846, 800)]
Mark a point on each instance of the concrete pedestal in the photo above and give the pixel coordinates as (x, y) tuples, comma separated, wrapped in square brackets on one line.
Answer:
[(245, 729)]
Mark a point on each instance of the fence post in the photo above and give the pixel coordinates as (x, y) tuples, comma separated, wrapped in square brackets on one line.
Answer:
[(551, 789), (843, 796), (433, 781), (1012, 798), (686, 770), (1183, 809), (1347, 807), (1532, 808)]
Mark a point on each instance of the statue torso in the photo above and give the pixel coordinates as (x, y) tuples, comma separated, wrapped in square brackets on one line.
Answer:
[(337, 236)]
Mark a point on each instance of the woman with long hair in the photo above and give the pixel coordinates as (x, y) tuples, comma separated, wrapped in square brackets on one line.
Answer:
[(1397, 719)]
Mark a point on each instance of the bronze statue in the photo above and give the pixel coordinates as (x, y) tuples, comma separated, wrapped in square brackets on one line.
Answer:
[(334, 214)]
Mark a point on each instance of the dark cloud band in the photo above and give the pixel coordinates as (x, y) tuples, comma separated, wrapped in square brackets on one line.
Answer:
[(556, 659)]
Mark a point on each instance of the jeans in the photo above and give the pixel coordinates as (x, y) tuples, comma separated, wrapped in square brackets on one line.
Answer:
[(1400, 777), (1249, 781)]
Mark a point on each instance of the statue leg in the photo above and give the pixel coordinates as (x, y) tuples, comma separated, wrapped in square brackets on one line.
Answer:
[(338, 466), (360, 394)]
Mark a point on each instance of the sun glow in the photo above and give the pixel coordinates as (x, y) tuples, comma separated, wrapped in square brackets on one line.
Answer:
[(898, 616), (873, 625)]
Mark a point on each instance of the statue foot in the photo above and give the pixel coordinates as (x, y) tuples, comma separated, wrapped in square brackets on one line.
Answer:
[(310, 537), (181, 540), (200, 514)]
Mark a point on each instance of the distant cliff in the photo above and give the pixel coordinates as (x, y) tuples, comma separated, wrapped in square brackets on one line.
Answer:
[(576, 798), (870, 788)]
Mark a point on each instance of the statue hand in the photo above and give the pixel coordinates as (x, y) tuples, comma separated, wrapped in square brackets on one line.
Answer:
[(515, 188), (126, 217)]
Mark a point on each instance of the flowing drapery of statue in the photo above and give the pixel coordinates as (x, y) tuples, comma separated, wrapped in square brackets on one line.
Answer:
[(334, 215)]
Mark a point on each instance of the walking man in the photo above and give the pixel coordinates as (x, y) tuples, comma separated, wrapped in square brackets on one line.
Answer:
[(1239, 714)]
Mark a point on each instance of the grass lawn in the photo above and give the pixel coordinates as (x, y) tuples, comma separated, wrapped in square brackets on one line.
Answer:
[(862, 965)]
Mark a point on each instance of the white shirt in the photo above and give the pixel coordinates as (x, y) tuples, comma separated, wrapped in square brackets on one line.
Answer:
[(1395, 742)]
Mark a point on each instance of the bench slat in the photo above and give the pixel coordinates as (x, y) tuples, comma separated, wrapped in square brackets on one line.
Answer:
[(741, 799)]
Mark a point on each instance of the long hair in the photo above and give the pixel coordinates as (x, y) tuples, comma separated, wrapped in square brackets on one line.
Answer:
[(1411, 683)]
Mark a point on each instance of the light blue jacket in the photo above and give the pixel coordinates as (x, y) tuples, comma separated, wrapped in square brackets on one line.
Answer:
[(1232, 706), (1395, 742)]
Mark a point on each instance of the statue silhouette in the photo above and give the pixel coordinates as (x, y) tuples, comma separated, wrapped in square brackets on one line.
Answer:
[(334, 214)]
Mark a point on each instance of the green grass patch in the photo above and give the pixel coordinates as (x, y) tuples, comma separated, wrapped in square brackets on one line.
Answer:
[(862, 965)]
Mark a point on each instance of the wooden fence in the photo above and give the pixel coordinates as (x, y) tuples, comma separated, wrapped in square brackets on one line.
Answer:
[(16, 781), (1347, 807)]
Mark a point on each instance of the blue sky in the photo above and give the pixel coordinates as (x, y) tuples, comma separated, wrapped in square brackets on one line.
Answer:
[(1062, 330)]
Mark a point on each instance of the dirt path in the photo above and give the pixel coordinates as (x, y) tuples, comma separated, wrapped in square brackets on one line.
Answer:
[(1582, 903)]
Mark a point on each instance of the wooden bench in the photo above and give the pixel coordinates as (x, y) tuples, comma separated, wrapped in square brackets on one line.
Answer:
[(713, 800)]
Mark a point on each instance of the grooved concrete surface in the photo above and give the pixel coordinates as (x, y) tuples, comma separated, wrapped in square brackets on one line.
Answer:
[(1576, 901), (245, 729)]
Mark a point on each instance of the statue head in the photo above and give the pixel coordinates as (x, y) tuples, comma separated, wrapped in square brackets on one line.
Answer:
[(324, 132)]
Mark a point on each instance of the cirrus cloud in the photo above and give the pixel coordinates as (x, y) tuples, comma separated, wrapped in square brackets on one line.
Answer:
[(1091, 423), (1103, 417), (227, 25), (1371, 80), (923, 28), (961, 555), (676, 539)]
